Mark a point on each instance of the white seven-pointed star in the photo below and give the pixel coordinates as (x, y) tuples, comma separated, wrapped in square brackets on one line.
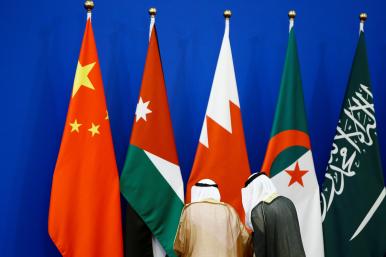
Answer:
[(142, 110)]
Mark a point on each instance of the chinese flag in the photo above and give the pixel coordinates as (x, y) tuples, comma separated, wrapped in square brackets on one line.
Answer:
[(85, 213)]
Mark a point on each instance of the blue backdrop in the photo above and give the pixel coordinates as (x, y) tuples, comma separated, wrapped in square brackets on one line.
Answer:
[(39, 47)]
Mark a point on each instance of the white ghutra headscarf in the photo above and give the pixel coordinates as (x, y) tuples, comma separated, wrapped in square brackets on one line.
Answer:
[(257, 188), (205, 189)]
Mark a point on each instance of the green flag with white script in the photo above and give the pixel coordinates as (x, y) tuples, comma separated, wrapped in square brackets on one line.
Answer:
[(353, 206)]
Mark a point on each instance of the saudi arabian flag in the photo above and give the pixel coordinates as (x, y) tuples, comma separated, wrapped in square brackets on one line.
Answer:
[(288, 159), (353, 206), (151, 179)]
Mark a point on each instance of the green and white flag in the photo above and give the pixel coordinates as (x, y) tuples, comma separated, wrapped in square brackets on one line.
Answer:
[(288, 159), (151, 179), (352, 199)]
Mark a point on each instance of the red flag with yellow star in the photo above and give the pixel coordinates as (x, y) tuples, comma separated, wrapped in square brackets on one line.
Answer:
[(85, 213)]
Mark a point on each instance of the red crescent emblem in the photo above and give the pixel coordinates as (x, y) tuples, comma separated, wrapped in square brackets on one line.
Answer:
[(282, 141)]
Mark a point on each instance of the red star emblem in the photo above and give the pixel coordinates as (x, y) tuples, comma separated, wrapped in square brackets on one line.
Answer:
[(296, 175)]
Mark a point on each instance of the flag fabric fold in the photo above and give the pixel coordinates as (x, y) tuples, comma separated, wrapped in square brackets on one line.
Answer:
[(221, 153), (288, 160), (151, 179), (85, 213), (353, 192)]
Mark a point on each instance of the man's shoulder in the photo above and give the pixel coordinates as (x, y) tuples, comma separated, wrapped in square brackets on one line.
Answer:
[(278, 203), (271, 198), (283, 199), (209, 202), (274, 200)]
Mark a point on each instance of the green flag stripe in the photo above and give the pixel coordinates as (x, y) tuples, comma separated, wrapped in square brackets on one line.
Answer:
[(151, 196), (290, 114)]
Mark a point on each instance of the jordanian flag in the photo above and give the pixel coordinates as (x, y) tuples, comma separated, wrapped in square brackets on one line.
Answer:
[(151, 179), (288, 159), (354, 210)]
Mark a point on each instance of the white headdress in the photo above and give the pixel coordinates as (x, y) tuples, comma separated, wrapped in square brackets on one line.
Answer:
[(205, 189), (257, 188)]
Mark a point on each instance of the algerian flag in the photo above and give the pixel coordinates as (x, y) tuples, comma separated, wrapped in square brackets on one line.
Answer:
[(151, 179), (353, 192), (288, 158)]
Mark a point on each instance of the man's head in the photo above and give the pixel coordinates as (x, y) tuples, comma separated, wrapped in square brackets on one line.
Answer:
[(205, 189), (256, 189)]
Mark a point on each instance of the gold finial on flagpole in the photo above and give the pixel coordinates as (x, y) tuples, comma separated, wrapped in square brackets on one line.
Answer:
[(292, 14), (89, 5), (227, 14), (363, 17), (152, 11)]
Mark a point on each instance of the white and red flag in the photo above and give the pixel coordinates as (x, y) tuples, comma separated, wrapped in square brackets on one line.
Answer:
[(221, 154)]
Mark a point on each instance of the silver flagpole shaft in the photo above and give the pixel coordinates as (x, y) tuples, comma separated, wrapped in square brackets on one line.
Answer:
[(89, 5), (152, 13), (362, 18), (227, 16)]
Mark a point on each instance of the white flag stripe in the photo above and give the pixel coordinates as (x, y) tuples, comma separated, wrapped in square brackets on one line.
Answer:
[(370, 213), (170, 172), (224, 90), (307, 202), (158, 250)]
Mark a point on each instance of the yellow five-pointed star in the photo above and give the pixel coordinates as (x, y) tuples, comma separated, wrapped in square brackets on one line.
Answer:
[(81, 77), (75, 126), (94, 129)]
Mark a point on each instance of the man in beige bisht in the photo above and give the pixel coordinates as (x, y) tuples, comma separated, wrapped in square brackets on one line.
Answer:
[(210, 228)]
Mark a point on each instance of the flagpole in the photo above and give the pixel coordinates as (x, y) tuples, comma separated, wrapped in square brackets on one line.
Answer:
[(227, 16), (291, 16), (152, 13), (89, 5), (362, 18)]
